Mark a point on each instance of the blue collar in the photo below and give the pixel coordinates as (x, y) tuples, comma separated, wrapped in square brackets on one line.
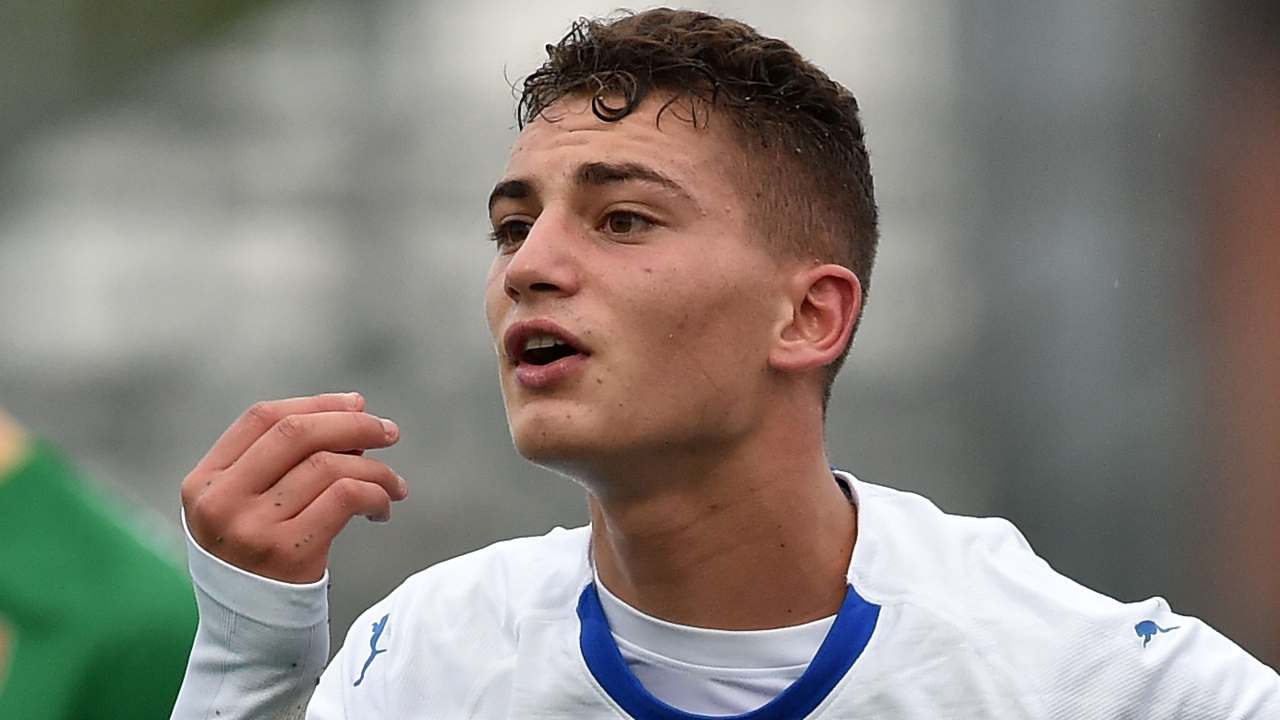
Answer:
[(849, 634)]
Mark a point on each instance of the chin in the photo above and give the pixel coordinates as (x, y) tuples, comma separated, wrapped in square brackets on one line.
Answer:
[(557, 438)]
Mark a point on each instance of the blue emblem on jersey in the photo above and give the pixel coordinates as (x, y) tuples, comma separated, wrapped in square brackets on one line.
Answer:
[(374, 651), (1148, 628)]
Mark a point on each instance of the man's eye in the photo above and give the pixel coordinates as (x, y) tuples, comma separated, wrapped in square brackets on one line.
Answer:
[(625, 223), (511, 232)]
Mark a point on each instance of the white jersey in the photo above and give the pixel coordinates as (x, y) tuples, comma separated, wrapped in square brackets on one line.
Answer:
[(945, 617)]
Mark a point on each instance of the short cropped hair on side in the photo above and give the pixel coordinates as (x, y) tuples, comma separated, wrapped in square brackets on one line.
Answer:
[(805, 170)]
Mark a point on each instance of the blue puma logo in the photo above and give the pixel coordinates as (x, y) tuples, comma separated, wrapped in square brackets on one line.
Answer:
[(378, 627), (1147, 629)]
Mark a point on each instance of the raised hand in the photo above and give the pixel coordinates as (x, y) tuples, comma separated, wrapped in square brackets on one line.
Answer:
[(285, 478)]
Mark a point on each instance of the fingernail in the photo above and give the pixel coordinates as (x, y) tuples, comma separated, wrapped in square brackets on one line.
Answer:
[(404, 487), (353, 399), (378, 518), (389, 427)]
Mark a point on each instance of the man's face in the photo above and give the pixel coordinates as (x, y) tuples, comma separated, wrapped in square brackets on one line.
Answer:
[(628, 243)]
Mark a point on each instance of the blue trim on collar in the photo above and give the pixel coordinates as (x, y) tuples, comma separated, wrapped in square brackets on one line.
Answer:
[(849, 634)]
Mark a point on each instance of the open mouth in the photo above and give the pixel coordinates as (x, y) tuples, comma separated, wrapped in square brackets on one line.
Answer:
[(541, 343), (543, 354), (545, 349)]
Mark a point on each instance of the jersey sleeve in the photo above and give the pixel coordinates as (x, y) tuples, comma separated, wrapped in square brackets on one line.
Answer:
[(356, 684), (443, 644), (1087, 655), (1211, 672), (1146, 661), (427, 650), (1094, 656), (260, 645)]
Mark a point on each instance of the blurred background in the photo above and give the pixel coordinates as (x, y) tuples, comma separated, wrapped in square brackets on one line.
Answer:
[(1075, 321)]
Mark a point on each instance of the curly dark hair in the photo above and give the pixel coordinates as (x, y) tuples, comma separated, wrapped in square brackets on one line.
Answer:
[(805, 165)]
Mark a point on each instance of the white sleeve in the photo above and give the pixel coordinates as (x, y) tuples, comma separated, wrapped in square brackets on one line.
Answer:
[(1192, 670), (260, 646), (338, 689), (1087, 655), (1150, 663)]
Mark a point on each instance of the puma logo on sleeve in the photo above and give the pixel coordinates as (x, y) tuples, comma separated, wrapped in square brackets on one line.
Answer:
[(374, 650), (1148, 628)]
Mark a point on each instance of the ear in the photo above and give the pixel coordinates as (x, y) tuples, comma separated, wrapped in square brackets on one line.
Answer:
[(824, 303)]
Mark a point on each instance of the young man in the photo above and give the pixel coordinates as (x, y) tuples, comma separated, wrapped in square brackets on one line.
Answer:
[(685, 233)]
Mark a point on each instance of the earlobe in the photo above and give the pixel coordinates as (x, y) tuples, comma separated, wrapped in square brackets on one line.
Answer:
[(824, 303)]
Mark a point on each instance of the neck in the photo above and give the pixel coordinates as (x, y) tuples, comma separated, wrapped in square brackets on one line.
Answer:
[(756, 536)]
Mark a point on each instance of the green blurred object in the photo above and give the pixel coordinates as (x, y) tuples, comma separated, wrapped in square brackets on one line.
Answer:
[(94, 623)]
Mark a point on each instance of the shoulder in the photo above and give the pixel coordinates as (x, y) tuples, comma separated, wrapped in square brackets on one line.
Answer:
[(489, 591), (449, 632), (513, 577), (1075, 649), (908, 548)]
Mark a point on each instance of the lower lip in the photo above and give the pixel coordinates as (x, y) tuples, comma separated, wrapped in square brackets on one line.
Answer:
[(537, 377)]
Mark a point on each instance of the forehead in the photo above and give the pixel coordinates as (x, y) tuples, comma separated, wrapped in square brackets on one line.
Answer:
[(568, 133)]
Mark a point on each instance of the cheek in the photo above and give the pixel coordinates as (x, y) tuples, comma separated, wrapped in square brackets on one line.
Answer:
[(710, 324), (496, 300)]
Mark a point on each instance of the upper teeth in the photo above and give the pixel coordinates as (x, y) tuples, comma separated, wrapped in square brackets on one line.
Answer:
[(537, 342)]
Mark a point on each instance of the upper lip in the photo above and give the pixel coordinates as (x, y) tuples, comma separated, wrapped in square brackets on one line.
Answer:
[(514, 339)]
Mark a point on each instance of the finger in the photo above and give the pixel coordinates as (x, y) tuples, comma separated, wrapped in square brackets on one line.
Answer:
[(295, 437), (262, 416), (329, 513), (311, 477)]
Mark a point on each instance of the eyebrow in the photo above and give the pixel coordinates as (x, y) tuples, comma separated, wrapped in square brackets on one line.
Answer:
[(594, 174), (599, 173), (512, 189)]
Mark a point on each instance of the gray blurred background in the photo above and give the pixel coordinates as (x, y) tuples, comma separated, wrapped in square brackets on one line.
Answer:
[(1072, 326)]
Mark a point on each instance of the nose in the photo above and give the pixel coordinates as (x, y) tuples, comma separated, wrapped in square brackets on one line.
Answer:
[(544, 263)]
